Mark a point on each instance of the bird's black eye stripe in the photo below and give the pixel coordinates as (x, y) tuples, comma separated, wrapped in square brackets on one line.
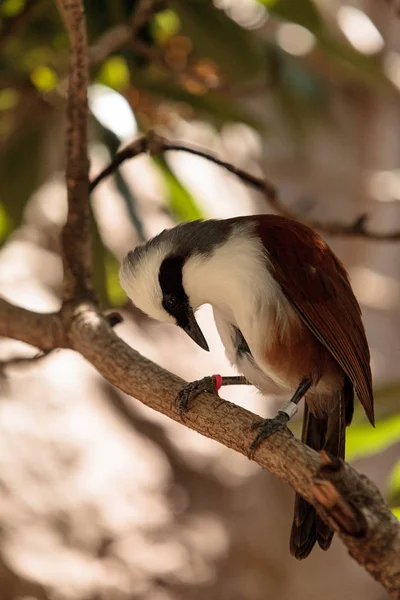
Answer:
[(174, 299)]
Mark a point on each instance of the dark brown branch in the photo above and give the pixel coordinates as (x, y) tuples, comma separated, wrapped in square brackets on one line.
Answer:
[(76, 250), (155, 144)]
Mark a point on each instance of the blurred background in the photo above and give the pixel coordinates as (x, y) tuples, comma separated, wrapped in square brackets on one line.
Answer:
[(100, 497)]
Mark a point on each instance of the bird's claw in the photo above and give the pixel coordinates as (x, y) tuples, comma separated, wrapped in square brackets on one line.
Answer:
[(192, 390), (266, 428)]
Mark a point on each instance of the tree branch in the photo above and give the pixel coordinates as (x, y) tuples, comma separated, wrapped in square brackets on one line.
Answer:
[(374, 538), (350, 502), (155, 144), (44, 331), (76, 248)]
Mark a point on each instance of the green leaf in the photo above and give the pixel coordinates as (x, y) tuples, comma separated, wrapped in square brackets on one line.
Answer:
[(99, 263), (44, 78), (303, 13), (114, 73), (363, 440), (20, 168), (116, 294), (112, 143), (235, 50), (181, 203), (105, 271), (5, 224), (165, 24), (394, 486), (387, 400), (396, 512), (11, 8), (8, 98)]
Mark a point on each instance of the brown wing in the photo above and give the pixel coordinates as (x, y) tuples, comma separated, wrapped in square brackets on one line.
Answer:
[(317, 286)]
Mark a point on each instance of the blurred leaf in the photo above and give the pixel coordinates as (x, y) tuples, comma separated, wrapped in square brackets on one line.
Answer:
[(105, 271), (339, 53), (99, 263), (235, 50), (44, 78), (303, 13), (363, 440), (11, 8), (353, 64), (5, 224), (116, 294), (165, 24), (181, 203), (8, 98), (211, 105), (396, 512), (387, 400), (114, 73), (19, 176), (393, 494), (300, 94), (112, 142)]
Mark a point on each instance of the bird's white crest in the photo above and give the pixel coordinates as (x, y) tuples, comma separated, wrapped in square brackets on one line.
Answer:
[(139, 280)]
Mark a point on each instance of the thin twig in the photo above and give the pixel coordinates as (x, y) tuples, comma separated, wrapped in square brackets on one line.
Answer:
[(155, 144), (136, 148)]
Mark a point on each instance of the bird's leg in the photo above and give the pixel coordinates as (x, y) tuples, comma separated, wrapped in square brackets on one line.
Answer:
[(207, 384), (267, 427)]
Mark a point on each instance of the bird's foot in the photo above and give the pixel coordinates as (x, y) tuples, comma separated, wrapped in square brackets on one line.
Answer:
[(194, 389), (266, 428)]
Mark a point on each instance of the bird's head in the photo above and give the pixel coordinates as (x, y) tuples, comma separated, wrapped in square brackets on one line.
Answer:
[(152, 277)]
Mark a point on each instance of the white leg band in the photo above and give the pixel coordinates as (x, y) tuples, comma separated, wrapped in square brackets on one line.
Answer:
[(290, 409)]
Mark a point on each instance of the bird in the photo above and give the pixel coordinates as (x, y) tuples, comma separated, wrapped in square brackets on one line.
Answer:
[(287, 316)]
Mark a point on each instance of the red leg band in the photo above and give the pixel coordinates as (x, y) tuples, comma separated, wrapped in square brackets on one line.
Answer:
[(218, 382)]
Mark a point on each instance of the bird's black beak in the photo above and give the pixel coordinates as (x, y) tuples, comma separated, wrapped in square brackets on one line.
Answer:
[(193, 330)]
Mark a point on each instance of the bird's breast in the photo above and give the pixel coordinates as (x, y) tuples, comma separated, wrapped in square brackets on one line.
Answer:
[(278, 352), (240, 355)]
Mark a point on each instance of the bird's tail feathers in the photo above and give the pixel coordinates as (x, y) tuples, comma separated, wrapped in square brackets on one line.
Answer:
[(325, 432)]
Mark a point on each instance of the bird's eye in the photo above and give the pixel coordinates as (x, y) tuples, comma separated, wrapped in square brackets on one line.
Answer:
[(171, 303)]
